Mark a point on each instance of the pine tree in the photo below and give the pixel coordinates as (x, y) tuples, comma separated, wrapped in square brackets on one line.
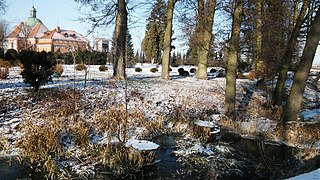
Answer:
[(152, 44), (130, 61)]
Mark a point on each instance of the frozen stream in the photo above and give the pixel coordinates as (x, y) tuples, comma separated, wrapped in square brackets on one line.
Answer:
[(253, 159)]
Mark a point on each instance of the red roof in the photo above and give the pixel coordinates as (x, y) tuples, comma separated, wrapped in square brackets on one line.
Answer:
[(17, 31)]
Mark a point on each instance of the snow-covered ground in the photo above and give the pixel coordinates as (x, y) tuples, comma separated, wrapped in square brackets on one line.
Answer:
[(313, 175), (146, 92)]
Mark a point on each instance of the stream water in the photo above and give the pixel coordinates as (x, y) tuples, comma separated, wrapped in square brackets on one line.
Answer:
[(260, 161)]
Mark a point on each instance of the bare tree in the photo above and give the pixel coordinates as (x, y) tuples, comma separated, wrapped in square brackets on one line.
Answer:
[(120, 38), (204, 35), (3, 32), (230, 97), (291, 44), (3, 6), (294, 100), (103, 13), (260, 63), (167, 42)]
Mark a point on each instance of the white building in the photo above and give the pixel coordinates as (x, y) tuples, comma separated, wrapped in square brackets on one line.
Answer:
[(102, 44)]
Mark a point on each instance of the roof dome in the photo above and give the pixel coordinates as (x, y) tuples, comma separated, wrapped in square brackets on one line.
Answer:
[(32, 20)]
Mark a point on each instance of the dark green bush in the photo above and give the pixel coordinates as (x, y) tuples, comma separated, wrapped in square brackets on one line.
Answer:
[(184, 73), (193, 70), (11, 55), (153, 70), (213, 70), (180, 70), (38, 67), (1, 53), (103, 68), (137, 69)]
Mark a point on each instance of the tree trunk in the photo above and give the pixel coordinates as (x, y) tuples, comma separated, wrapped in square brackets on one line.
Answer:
[(260, 64), (294, 100), (120, 41), (167, 42), (230, 98), (284, 68), (205, 33)]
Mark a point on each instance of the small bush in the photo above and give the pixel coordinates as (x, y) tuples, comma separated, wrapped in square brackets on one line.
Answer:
[(4, 72), (221, 73), (5, 64), (38, 67), (213, 70), (59, 69), (180, 70), (153, 70), (193, 70), (11, 55), (103, 68), (137, 69), (184, 73), (80, 67)]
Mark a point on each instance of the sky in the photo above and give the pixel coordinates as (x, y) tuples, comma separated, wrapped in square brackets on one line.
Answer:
[(64, 13)]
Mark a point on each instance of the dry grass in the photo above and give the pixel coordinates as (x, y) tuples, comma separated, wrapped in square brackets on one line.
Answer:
[(5, 64), (3, 144), (298, 133), (4, 72), (80, 67), (41, 146)]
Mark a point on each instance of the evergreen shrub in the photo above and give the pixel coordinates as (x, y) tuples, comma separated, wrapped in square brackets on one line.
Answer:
[(38, 67)]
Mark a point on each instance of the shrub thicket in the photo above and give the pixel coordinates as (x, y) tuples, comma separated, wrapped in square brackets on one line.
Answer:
[(11, 55), (86, 57), (38, 67)]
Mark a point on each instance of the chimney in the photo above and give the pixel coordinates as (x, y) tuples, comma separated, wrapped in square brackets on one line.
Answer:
[(58, 29)]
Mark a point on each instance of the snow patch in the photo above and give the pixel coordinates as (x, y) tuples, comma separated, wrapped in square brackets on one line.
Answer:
[(141, 145)]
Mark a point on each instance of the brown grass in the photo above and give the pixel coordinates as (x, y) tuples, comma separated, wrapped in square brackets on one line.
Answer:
[(59, 69), (80, 67), (3, 144), (41, 146), (4, 72), (103, 68)]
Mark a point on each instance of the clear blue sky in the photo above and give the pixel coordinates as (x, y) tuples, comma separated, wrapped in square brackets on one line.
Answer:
[(64, 13)]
